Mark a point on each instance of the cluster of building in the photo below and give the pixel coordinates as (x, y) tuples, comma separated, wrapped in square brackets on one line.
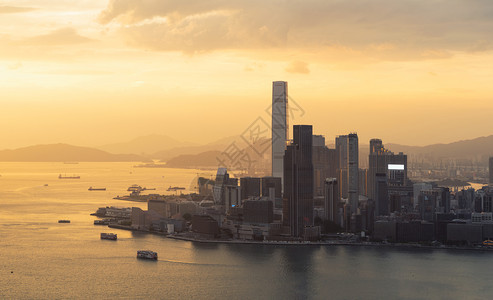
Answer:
[(315, 189)]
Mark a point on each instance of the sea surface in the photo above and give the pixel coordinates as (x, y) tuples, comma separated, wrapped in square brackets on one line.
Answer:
[(42, 259)]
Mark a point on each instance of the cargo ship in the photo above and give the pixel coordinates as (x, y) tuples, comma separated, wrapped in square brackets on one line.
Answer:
[(96, 189), (108, 236), (147, 254), (175, 188), (68, 177)]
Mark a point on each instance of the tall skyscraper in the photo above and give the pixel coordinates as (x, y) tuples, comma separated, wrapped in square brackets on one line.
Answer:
[(348, 169), (280, 126), (250, 187), (381, 194), (353, 171), (323, 164), (298, 181), (341, 165), (331, 199), (394, 166)]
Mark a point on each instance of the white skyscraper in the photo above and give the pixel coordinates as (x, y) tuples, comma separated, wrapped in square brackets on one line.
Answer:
[(280, 127)]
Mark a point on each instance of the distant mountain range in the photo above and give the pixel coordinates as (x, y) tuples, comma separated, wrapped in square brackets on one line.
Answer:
[(181, 154), (195, 161), (479, 148), (219, 145), (147, 145), (64, 153)]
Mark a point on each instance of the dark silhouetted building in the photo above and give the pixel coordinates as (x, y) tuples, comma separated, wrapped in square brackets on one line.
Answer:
[(258, 211), (381, 195), (298, 181), (342, 165), (324, 164), (250, 187), (436, 200), (271, 187), (205, 224), (382, 160), (331, 199), (348, 168)]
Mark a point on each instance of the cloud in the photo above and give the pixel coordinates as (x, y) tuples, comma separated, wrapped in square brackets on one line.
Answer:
[(299, 67), (254, 66), (62, 36), (59, 44), (384, 29), (14, 9)]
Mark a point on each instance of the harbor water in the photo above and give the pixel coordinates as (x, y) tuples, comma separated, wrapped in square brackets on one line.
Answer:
[(43, 259)]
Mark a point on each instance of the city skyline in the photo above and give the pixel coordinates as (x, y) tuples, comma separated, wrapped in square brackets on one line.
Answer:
[(151, 149), (80, 72)]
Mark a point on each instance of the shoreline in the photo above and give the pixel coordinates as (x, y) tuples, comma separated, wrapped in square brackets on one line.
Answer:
[(325, 243), (300, 243)]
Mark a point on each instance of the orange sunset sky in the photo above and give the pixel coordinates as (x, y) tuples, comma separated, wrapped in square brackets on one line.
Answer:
[(95, 72)]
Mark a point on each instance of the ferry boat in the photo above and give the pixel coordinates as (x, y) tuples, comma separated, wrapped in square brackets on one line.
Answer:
[(101, 222), (108, 236), (68, 177), (147, 254), (488, 243), (96, 189), (135, 188), (63, 221)]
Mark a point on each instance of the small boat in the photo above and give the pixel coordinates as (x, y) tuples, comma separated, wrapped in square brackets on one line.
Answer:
[(147, 254), (175, 188), (488, 243), (63, 221), (68, 177), (108, 236), (46, 184), (96, 189), (135, 188), (101, 222)]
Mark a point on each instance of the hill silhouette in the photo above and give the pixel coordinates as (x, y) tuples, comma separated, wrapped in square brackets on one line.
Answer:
[(195, 161), (64, 152), (477, 149), (146, 145)]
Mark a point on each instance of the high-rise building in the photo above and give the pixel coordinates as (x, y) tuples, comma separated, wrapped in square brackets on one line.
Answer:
[(258, 211), (348, 169), (353, 172), (250, 187), (271, 187), (376, 146), (280, 126), (363, 182), (341, 165), (226, 191), (331, 199), (324, 164), (382, 160), (298, 181), (381, 195)]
